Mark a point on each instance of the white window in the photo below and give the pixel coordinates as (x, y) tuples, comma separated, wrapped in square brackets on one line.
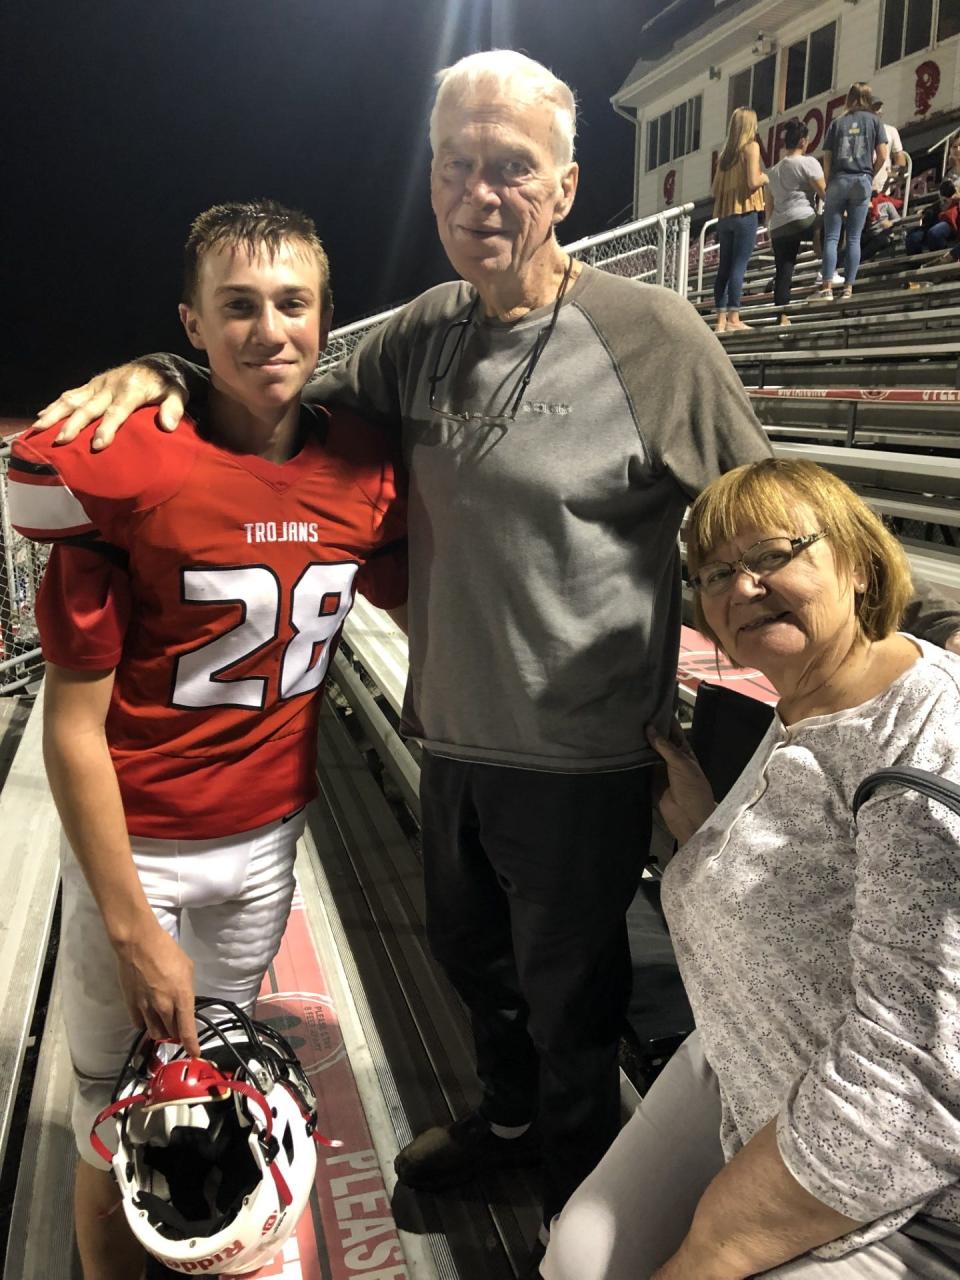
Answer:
[(907, 27), (809, 65), (948, 19), (675, 133), (753, 87)]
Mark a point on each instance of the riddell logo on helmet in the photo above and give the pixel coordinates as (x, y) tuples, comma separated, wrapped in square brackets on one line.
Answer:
[(272, 1223), (194, 1266)]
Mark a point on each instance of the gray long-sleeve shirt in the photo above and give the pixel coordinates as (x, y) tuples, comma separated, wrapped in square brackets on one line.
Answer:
[(822, 961), (544, 565)]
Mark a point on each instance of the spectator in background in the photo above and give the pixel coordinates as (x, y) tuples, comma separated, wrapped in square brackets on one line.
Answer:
[(882, 217), (791, 193), (854, 149), (737, 203), (896, 156), (951, 169), (940, 224)]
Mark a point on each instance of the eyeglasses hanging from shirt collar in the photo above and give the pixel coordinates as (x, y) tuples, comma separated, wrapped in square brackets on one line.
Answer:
[(454, 339)]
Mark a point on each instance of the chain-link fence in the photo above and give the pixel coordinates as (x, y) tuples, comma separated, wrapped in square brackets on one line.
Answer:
[(655, 249), (21, 566)]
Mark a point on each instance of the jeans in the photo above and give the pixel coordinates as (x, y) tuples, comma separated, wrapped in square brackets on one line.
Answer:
[(528, 876), (736, 233), (927, 239), (847, 193)]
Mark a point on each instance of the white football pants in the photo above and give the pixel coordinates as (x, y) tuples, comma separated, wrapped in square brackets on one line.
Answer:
[(226, 901)]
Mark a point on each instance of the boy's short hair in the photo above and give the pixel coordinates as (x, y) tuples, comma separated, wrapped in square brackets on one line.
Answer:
[(948, 188), (253, 225)]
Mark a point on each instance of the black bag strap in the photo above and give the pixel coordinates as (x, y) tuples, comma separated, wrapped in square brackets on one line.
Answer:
[(930, 784)]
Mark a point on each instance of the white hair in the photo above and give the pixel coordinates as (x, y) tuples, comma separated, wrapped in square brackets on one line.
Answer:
[(515, 77)]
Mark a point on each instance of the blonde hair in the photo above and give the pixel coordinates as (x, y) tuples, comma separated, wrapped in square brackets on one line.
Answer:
[(741, 132), (766, 494), (859, 97), (516, 78)]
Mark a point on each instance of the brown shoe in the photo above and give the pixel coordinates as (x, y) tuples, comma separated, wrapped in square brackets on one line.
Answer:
[(454, 1154)]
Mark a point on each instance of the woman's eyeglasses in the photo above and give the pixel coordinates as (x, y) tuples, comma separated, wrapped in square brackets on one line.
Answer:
[(759, 561)]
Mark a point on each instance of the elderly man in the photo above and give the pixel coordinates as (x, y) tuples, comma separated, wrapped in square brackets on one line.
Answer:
[(556, 421)]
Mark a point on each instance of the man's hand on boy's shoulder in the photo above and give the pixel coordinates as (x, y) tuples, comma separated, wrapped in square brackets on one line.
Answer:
[(114, 396)]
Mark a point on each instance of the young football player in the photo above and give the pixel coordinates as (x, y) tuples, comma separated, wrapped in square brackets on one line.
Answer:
[(193, 599)]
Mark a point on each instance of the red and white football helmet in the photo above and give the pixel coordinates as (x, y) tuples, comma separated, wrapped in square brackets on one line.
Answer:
[(217, 1154)]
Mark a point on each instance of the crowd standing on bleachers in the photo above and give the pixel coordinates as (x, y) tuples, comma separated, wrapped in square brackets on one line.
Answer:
[(863, 160)]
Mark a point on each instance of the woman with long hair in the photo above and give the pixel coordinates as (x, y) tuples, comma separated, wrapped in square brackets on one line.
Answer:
[(795, 182), (737, 203), (854, 149)]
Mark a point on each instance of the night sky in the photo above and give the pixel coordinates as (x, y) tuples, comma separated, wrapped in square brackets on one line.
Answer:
[(122, 119)]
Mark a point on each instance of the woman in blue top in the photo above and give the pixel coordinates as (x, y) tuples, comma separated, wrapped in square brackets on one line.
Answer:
[(854, 148)]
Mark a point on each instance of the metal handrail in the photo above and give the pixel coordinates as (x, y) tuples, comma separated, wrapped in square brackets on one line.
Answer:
[(907, 182), (710, 222), (651, 220), (670, 228), (945, 143), (578, 246)]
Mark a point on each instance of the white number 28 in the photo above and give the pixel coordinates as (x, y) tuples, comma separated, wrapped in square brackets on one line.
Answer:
[(319, 602)]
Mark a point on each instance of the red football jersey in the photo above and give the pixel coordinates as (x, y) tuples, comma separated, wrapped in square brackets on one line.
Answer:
[(216, 584)]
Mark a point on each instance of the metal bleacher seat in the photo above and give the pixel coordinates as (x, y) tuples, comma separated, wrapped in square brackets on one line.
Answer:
[(911, 418), (831, 330), (40, 1141), (902, 486), (929, 364), (371, 633), (910, 290)]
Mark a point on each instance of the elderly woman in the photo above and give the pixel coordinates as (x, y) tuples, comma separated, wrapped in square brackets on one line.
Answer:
[(810, 1128)]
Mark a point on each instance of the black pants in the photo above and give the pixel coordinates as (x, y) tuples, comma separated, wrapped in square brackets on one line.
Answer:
[(528, 879), (786, 241)]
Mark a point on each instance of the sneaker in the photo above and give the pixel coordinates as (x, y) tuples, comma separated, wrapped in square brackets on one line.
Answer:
[(837, 279), (454, 1154)]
